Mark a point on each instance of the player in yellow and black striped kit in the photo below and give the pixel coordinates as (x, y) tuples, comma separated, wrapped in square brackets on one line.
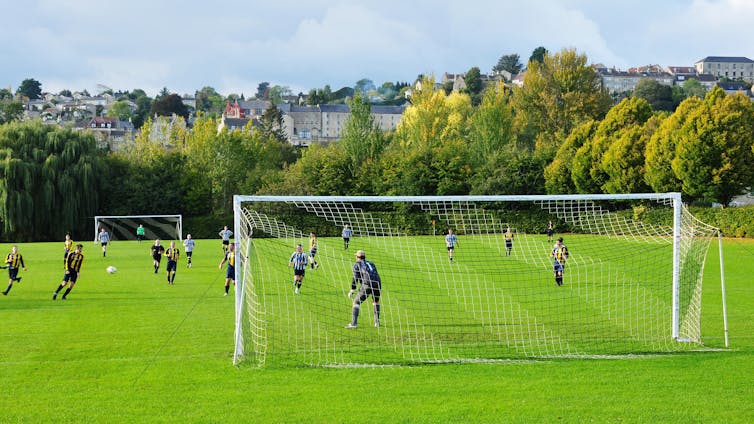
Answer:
[(14, 261), (73, 262), (172, 253)]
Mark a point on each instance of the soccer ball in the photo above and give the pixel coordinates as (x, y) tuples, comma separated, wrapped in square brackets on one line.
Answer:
[(111, 269)]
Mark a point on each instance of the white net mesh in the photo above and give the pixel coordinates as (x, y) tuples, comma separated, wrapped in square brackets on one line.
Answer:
[(491, 301), (166, 227)]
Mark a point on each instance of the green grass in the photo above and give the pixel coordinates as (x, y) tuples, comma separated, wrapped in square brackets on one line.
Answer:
[(129, 348)]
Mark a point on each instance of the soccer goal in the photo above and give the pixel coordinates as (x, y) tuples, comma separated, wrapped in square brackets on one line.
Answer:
[(123, 227), (631, 282)]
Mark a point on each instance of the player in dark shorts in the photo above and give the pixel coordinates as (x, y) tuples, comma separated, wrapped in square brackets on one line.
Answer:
[(157, 251), (550, 231), (13, 261), (172, 253), (299, 260), (364, 273), (230, 272), (73, 263), (559, 255)]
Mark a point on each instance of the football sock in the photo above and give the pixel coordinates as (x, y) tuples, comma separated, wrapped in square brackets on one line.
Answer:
[(227, 287), (8, 289), (355, 314), (376, 313), (60, 287), (559, 280), (68, 290)]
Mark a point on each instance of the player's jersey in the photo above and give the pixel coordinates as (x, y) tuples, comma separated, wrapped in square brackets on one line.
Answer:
[(230, 257), (560, 253), (365, 272), (139, 231), (172, 253), (189, 245), (313, 244), (347, 233), (451, 240), (225, 234), (104, 237), (73, 261), (299, 260), (14, 260), (68, 245), (157, 251), (508, 236)]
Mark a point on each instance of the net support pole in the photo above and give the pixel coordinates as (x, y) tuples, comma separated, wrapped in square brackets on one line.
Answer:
[(239, 289), (677, 210), (722, 286)]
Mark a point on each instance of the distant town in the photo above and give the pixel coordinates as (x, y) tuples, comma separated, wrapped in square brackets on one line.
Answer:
[(320, 116)]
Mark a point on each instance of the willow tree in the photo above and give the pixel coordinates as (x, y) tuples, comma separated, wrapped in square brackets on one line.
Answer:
[(48, 181)]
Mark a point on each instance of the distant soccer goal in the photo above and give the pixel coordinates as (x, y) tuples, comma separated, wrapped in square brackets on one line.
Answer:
[(123, 227), (630, 284)]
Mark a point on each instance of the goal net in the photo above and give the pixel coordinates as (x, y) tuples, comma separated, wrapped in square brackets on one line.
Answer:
[(631, 282), (123, 227)]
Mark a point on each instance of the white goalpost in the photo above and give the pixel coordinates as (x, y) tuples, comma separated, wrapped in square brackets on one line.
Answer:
[(123, 227), (631, 283)]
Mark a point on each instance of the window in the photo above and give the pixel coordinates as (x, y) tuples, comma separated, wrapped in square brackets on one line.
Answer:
[(305, 134)]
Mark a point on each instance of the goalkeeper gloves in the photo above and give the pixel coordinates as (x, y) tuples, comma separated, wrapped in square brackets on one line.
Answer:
[(350, 293)]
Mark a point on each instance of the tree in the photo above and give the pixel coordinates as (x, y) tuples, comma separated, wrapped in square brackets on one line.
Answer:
[(278, 93), (558, 174), (538, 55), (693, 87), (362, 143), (30, 88), (364, 85), (714, 149), (659, 96), (623, 162), (50, 180), (209, 100), (143, 107), (120, 110), (271, 124), (661, 148), (169, 105), (510, 63), (5, 94), (559, 93), (491, 124), (473, 80), (11, 110), (263, 91), (588, 172)]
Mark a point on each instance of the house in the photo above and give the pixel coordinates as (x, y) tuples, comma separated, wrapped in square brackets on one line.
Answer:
[(734, 87), (731, 67), (617, 81)]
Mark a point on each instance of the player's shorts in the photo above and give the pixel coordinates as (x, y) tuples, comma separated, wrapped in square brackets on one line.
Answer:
[(313, 252), (558, 267), (509, 243), (172, 265), (65, 255), (346, 239), (12, 273), (139, 237), (451, 247), (231, 273), (71, 276), (104, 243), (157, 257), (550, 232), (226, 242), (365, 291), (188, 254), (300, 272)]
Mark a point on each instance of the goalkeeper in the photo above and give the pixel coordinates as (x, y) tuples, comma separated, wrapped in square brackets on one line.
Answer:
[(364, 272), (560, 255)]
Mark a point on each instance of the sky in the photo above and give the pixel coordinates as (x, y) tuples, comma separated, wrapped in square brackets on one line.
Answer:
[(234, 45)]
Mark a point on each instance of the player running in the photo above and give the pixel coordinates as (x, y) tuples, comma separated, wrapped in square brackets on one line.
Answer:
[(13, 261), (157, 251), (299, 261), (172, 253), (450, 242), (73, 263), (189, 244)]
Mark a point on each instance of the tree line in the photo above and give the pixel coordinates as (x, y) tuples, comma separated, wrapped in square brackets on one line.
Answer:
[(559, 133)]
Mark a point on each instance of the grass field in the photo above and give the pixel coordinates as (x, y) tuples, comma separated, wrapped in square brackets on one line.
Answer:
[(129, 348)]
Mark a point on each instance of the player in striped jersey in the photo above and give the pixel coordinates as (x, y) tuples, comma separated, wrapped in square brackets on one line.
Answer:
[(73, 263), (230, 273), (450, 242), (13, 262), (299, 261), (68, 245), (172, 253), (560, 255)]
